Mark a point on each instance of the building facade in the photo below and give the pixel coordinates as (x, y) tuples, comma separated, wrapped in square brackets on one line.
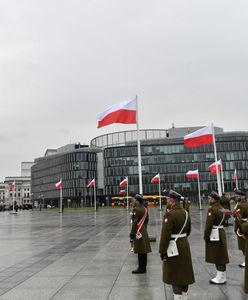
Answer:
[(113, 157), (75, 164), (168, 156), (22, 191)]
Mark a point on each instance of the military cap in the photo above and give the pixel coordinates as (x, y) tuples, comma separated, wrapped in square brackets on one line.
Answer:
[(239, 192), (174, 195), (214, 195), (139, 198)]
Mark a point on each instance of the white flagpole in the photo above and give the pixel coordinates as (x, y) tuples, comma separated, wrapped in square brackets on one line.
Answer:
[(61, 196), (222, 177), (159, 190), (237, 186), (139, 151), (95, 193), (13, 199), (199, 190), (216, 160), (127, 195)]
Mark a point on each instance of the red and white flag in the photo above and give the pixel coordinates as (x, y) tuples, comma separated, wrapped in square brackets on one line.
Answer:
[(203, 136), (192, 174), (122, 192), (156, 178), (12, 186), (91, 183), (124, 112), (235, 178), (59, 185), (212, 168), (123, 182)]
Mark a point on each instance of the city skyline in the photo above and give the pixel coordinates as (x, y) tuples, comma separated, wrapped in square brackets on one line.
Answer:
[(63, 63)]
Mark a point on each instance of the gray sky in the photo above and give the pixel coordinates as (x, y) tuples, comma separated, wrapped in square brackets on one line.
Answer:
[(64, 62)]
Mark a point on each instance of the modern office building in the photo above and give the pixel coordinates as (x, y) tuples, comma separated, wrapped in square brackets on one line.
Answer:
[(75, 164), (112, 157)]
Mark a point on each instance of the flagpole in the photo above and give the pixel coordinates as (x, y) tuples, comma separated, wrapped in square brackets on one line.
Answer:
[(199, 190), (13, 199), (139, 151), (222, 176), (237, 186), (127, 195), (215, 156), (95, 194), (61, 196), (159, 190)]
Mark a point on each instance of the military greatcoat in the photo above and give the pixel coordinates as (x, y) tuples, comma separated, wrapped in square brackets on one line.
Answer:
[(241, 209), (215, 251), (140, 245), (246, 266), (177, 270)]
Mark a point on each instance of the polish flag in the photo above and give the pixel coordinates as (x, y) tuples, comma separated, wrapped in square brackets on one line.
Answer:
[(124, 112), (156, 178), (203, 136), (91, 183), (59, 185), (235, 178), (212, 168), (122, 192), (123, 183), (192, 174), (12, 186)]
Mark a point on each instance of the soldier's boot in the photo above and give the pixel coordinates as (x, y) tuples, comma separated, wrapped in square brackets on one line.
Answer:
[(184, 296), (142, 264), (220, 278), (177, 297), (242, 265)]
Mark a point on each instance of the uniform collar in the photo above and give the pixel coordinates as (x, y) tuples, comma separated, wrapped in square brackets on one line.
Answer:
[(176, 206)]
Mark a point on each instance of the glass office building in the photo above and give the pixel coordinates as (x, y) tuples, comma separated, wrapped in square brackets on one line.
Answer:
[(75, 164), (112, 157), (163, 152)]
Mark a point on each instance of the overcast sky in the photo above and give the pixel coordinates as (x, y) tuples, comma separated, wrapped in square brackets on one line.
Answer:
[(63, 62)]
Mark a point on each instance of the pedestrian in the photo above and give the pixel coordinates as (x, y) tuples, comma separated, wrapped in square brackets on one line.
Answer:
[(215, 239), (139, 236), (241, 215), (176, 227)]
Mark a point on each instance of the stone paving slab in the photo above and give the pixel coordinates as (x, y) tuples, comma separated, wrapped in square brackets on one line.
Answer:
[(86, 255)]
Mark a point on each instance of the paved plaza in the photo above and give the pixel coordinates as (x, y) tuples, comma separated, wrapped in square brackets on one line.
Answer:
[(86, 255)]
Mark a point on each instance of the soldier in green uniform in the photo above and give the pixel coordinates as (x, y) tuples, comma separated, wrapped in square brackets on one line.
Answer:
[(139, 236), (225, 203), (241, 215), (177, 270), (186, 203), (216, 247), (242, 233)]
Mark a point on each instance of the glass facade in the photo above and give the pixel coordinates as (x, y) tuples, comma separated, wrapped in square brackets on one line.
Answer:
[(75, 168), (172, 160)]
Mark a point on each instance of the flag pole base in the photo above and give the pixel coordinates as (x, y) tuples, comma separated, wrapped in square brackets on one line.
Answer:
[(201, 208), (13, 213)]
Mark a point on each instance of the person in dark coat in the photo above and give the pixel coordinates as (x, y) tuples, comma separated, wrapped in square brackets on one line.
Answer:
[(216, 250), (177, 270), (243, 233), (225, 203), (241, 215), (139, 236)]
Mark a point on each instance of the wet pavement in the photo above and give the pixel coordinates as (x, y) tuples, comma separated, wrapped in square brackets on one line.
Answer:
[(86, 255)]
